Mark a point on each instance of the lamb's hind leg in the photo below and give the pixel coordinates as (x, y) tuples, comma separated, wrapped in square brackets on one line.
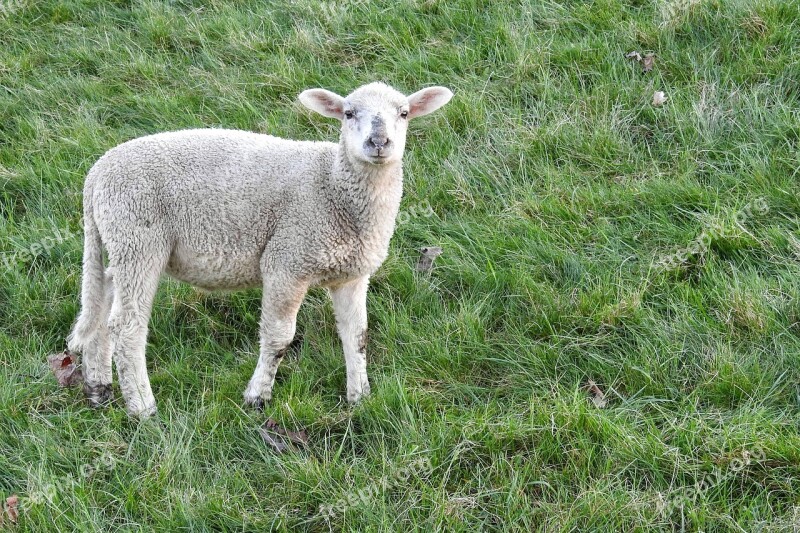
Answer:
[(89, 336), (136, 275), (96, 351), (279, 305)]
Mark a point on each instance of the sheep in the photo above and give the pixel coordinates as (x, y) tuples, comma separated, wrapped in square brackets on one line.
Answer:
[(229, 209)]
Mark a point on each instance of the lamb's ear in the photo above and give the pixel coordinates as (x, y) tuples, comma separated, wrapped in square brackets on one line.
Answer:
[(428, 100), (323, 102)]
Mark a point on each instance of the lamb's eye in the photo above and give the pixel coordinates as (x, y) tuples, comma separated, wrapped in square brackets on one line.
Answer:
[(404, 114), (349, 114)]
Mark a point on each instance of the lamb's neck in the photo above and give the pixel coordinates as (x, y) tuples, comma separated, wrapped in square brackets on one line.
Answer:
[(369, 194)]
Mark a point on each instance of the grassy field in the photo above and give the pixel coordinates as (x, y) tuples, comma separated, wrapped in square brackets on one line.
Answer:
[(587, 235)]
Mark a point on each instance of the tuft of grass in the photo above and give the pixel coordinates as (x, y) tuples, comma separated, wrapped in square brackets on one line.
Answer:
[(554, 188)]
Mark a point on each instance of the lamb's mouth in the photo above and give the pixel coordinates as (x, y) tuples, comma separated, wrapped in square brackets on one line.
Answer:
[(378, 158)]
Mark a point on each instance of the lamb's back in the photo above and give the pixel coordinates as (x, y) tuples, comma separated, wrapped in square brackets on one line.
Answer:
[(216, 195)]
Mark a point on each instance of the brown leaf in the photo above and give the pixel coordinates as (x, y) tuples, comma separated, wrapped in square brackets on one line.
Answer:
[(65, 368), (427, 257), (598, 396), (648, 62), (276, 442), (11, 508), (274, 435), (298, 437)]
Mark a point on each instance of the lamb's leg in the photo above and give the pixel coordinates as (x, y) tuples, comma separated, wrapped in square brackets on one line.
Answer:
[(350, 306), (97, 354), (279, 305), (135, 285), (89, 336)]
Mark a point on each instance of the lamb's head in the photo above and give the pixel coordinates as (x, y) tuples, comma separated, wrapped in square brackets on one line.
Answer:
[(375, 117)]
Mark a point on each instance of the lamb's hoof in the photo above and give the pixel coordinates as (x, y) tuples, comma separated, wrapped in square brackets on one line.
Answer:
[(141, 412), (256, 402), (356, 396), (99, 395)]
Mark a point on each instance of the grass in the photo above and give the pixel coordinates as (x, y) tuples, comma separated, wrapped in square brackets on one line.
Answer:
[(556, 188)]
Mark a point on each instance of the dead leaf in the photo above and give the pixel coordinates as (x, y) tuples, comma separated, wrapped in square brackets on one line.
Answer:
[(11, 508), (648, 62), (598, 396), (659, 98), (298, 437), (65, 367), (277, 443), (429, 255), (636, 56), (276, 436)]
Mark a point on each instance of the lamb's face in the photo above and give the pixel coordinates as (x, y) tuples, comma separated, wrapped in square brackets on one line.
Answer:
[(375, 117), (374, 124)]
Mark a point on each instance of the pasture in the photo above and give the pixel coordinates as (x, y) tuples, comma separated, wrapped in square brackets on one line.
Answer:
[(588, 235)]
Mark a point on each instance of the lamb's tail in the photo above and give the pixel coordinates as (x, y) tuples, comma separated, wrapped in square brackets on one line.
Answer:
[(93, 280)]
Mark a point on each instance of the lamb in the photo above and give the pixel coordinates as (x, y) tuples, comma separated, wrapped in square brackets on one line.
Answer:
[(229, 209)]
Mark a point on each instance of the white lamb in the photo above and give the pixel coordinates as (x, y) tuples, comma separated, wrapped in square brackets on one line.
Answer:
[(227, 209)]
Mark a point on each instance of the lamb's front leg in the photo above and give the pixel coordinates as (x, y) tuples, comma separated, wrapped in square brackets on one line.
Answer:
[(282, 297), (350, 305)]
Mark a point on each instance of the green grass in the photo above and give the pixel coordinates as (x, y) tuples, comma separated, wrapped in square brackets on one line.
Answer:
[(556, 187)]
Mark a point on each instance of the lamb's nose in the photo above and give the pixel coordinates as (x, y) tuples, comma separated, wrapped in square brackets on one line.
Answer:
[(378, 142)]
